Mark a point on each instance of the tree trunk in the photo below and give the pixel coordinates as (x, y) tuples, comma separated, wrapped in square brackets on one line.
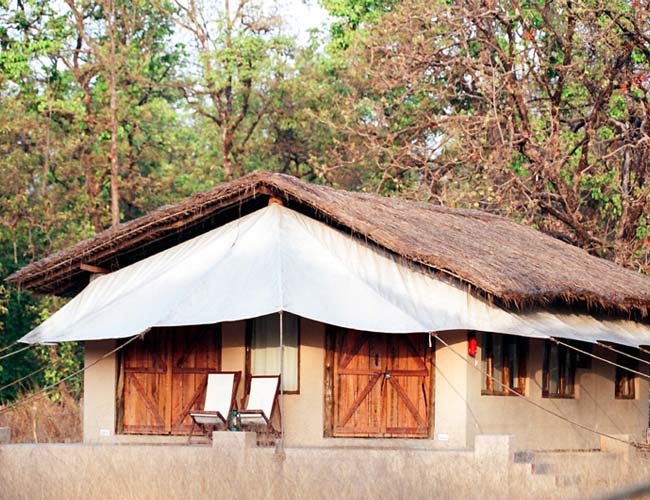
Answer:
[(225, 152), (115, 170), (226, 134)]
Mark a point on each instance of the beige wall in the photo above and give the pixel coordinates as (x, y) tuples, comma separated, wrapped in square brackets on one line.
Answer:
[(233, 354), (461, 412), (100, 381), (452, 410), (594, 406)]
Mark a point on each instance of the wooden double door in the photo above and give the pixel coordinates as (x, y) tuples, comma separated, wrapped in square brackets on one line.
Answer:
[(382, 385), (164, 377)]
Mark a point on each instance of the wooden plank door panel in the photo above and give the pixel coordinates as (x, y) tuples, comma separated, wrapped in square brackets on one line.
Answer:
[(195, 353), (381, 385), (358, 368), (408, 388), (144, 414), (145, 375)]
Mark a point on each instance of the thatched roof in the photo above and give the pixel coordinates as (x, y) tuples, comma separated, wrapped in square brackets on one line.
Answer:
[(498, 258)]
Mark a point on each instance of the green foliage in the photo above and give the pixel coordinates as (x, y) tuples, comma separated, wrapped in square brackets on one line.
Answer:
[(17, 316), (618, 107), (542, 102), (519, 164), (351, 15), (53, 110), (61, 361)]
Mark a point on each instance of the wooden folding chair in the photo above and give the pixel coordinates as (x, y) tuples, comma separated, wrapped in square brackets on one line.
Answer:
[(220, 397), (260, 404)]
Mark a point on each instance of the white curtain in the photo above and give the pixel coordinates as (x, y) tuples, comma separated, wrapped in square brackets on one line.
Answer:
[(265, 348)]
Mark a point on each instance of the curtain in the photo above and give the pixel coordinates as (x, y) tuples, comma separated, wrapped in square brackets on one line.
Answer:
[(265, 348)]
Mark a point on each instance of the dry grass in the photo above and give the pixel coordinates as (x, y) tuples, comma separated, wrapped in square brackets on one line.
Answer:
[(44, 421), (199, 472)]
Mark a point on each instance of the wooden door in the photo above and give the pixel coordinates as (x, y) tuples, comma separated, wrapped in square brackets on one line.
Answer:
[(195, 353), (358, 383), (165, 376), (381, 386), (145, 370), (408, 388)]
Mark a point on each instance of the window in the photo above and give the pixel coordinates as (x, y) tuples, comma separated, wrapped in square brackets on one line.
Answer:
[(503, 357), (625, 380), (583, 360), (263, 348), (559, 371)]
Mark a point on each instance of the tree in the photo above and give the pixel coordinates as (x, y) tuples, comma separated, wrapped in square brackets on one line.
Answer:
[(537, 110), (59, 109), (352, 15), (124, 43), (239, 57)]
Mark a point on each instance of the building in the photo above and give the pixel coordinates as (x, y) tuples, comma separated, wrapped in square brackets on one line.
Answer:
[(402, 320)]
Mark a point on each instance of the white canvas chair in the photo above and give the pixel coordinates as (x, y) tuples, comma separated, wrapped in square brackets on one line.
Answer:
[(261, 402), (219, 401)]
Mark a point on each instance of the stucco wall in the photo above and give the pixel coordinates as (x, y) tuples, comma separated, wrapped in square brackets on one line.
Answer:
[(452, 410), (99, 392), (460, 411), (304, 412), (594, 406), (233, 353)]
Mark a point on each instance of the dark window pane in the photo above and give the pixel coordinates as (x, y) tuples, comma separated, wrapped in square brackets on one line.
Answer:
[(559, 371), (503, 363), (626, 379), (554, 370), (497, 361), (486, 354), (513, 363)]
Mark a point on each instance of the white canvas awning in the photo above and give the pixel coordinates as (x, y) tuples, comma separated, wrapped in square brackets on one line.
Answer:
[(277, 259)]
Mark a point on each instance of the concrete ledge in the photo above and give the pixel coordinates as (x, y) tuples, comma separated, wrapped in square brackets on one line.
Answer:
[(379, 443), (136, 439), (229, 442), (5, 435)]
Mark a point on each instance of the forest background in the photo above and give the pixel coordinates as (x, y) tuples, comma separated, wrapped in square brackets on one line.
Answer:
[(535, 110)]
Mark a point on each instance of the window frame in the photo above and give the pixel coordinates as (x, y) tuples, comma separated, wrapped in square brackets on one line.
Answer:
[(546, 375), (623, 374), (249, 347), (522, 346)]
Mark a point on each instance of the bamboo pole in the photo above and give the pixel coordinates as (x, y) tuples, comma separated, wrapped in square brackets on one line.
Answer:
[(281, 442)]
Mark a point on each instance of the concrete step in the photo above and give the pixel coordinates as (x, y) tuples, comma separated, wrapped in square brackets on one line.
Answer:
[(543, 468), (548, 460), (566, 474), (567, 480), (524, 457)]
